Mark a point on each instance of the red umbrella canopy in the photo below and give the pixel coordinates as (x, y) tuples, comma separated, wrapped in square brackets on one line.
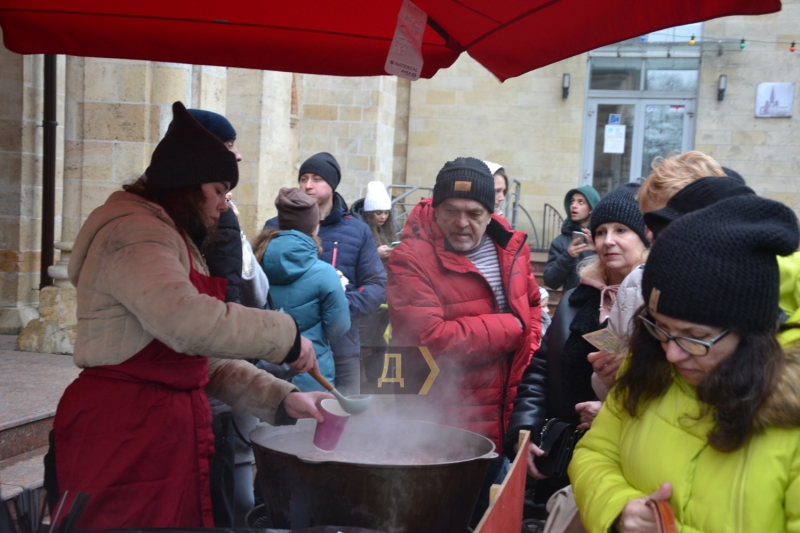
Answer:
[(344, 37)]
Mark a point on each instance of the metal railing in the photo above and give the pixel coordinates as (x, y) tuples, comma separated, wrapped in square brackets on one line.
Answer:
[(551, 227), (405, 202), (511, 207)]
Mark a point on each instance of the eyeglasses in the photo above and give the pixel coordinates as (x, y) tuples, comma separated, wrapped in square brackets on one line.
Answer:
[(691, 346)]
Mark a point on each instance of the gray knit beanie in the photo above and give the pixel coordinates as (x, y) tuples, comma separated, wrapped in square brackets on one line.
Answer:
[(465, 177), (619, 206)]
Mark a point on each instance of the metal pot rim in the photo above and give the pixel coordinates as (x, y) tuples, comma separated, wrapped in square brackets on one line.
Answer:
[(491, 454)]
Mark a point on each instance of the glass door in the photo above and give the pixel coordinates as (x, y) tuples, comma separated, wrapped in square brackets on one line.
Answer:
[(666, 127), (623, 136), (613, 143)]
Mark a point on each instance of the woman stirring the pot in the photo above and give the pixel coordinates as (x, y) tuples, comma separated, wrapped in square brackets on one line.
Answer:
[(705, 413), (133, 430)]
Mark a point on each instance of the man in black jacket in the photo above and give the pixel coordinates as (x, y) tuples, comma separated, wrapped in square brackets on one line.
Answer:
[(566, 251), (231, 469)]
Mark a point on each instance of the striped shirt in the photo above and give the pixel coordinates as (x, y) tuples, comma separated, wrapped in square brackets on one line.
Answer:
[(484, 257)]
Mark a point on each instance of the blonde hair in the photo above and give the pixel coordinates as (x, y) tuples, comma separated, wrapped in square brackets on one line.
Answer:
[(262, 240), (671, 174)]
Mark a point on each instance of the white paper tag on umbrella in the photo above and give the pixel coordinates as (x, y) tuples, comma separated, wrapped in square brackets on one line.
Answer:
[(405, 55)]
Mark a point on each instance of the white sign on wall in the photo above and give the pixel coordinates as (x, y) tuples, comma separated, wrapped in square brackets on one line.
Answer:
[(774, 100)]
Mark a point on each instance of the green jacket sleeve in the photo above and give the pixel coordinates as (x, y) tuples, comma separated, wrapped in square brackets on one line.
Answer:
[(601, 490)]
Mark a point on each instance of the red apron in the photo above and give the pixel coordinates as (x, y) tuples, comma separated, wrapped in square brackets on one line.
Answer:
[(137, 437)]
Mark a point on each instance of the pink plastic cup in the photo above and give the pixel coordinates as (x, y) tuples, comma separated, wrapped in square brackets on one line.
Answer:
[(328, 433)]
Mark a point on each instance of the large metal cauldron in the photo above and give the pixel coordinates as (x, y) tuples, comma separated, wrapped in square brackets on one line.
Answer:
[(437, 494)]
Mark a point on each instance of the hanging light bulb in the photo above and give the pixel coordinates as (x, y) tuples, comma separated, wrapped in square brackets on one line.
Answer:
[(741, 44), (792, 48), (691, 41)]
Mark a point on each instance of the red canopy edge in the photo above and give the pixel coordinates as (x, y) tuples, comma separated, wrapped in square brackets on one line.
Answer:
[(345, 38), (592, 24), (207, 43)]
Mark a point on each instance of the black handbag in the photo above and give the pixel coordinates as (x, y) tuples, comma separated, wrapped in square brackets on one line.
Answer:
[(557, 442)]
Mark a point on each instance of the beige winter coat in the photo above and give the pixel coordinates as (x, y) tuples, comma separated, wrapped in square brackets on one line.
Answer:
[(131, 269)]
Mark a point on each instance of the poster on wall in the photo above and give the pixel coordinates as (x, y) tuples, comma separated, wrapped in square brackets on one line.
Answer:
[(774, 100), (614, 141)]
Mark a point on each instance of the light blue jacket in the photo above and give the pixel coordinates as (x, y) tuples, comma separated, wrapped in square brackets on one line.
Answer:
[(308, 289)]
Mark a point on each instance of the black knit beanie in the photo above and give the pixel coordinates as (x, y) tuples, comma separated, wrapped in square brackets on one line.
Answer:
[(717, 267), (215, 123), (189, 155), (697, 195), (465, 177), (733, 174), (619, 206), (325, 165)]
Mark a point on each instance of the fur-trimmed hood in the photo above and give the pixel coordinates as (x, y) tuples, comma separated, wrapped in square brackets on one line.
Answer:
[(782, 407)]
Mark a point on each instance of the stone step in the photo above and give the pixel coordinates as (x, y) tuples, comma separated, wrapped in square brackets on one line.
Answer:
[(30, 386), (21, 472), (538, 260)]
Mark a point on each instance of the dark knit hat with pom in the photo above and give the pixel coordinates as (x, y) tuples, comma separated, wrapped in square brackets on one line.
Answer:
[(465, 177), (619, 206), (717, 267), (190, 155)]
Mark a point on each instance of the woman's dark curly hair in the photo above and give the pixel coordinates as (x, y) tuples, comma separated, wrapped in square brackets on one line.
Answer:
[(735, 389), (182, 205), (383, 235)]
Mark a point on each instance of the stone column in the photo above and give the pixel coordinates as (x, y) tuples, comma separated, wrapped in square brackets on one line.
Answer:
[(259, 105), (116, 112), (21, 91)]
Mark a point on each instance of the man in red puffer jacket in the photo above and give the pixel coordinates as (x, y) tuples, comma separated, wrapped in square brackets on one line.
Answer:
[(460, 283)]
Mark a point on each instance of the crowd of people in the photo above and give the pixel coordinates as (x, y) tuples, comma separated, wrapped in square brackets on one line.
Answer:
[(697, 407)]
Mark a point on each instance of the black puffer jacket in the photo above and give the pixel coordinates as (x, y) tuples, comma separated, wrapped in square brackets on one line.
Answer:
[(560, 267), (223, 254), (558, 376)]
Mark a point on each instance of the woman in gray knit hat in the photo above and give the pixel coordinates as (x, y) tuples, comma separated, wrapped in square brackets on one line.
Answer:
[(557, 383)]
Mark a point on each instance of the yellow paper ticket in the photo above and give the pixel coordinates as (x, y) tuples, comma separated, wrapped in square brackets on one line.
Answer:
[(605, 341)]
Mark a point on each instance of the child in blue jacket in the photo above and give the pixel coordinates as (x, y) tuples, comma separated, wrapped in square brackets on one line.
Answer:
[(301, 284)]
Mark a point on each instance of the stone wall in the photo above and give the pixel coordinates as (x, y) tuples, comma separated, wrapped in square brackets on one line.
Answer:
[(523, 124), (259, 105), (765, 151), (353, 119), (21, 91)]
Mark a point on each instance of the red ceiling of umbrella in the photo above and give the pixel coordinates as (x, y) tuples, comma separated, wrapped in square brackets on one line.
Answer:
[(344, 37)]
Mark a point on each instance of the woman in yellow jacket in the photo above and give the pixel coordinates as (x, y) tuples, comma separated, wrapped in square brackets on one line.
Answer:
[(706, 413)]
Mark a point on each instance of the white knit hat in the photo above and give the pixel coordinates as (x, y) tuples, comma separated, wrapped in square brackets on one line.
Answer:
[(377, 198), (493, 167)]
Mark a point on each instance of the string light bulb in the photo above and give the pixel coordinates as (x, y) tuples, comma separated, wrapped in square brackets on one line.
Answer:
[(741, 44), (691, 41), (792, 48)]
